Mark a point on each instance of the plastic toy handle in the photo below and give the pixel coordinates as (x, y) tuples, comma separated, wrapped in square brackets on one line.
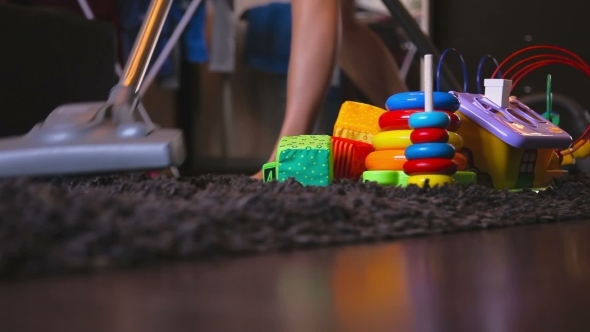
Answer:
[(493, 106), (507, 115), (439, 68), (480, 67)]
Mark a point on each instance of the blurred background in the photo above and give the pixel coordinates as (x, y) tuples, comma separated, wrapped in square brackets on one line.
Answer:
[(224, 83)]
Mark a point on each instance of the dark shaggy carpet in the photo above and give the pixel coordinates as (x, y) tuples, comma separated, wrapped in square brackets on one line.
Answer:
[(62, 225)]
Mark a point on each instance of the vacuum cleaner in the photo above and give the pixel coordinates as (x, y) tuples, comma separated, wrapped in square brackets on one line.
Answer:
[(101, 137)]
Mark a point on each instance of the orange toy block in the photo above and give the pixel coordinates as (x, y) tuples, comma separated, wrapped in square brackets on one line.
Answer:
[(358, 122), (349, 157)]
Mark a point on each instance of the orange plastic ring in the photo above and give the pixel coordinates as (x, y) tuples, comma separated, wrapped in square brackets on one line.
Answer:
[(386, 160), (461, 161)]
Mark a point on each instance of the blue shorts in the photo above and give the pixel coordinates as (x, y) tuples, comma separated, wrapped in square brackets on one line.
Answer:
[(268, 37)]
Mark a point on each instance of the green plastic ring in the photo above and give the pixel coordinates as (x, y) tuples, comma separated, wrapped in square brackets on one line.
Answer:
[(463, 177), (381, 177)]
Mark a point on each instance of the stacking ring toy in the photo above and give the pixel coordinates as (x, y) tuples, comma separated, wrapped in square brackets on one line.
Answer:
[(461, 161), (429, 120), (397, 120), (430, 150), (386, 160), (429, 135), (392, 140), (381, 177), (433, 180), (414, 100), (430, 166)]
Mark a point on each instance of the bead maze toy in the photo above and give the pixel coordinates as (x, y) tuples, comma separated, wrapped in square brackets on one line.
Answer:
[(507, 144), (580, 147), (455, 137)]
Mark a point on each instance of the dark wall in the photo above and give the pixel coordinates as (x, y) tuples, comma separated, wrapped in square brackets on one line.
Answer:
[(500, 27), (49, 58)]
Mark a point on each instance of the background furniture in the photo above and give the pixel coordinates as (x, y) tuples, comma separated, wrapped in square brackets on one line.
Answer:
[(69, 59)]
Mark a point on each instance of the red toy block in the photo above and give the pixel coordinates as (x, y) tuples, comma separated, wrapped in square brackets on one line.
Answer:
[(349, 157)]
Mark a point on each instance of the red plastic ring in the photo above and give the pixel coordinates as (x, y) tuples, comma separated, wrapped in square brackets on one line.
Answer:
[(429, 135), (398, 120), (455, 121), (431, 166)]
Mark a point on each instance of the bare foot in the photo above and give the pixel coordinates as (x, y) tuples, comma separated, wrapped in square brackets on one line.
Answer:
[(257, 176)]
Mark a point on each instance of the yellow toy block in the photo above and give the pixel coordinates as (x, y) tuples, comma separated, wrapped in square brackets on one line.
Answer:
[(358, 121)]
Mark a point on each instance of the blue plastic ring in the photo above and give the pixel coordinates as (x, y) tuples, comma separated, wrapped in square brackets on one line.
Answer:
[(415, 100), (430, 150), (429, 120)]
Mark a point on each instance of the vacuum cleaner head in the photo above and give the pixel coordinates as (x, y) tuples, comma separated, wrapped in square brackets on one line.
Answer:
[(101, 137), (81, 138)]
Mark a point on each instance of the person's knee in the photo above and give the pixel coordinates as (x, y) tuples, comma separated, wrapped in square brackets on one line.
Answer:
[(348, 15)]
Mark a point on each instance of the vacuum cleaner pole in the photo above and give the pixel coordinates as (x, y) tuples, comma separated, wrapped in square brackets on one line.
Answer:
[(124, 97), (145, 44)]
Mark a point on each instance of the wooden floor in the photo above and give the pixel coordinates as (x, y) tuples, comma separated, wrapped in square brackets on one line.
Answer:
[(534, 278)]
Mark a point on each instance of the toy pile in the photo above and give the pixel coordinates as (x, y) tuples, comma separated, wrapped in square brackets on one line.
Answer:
[(380, 145), (429, 138)]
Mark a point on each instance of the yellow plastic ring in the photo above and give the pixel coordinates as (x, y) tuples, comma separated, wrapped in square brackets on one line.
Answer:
[(456, 140), (433, 180), (392, 140), (400, 139)]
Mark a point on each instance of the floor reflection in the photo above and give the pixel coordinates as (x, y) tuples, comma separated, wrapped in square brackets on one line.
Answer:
[(371, 290), (576, 254), (519, 279), (305, 296), (485, 281)]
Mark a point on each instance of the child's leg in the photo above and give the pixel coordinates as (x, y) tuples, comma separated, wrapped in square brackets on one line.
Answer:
[(366, 60), (314, 45), (313, 56)]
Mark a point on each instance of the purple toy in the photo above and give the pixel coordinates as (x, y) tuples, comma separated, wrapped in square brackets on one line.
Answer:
[(518, 125)]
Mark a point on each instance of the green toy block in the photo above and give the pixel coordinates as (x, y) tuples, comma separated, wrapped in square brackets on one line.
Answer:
[(306, 158), (269, 171)]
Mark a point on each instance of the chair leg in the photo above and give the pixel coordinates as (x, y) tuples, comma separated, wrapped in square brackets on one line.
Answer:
[(226, 105)]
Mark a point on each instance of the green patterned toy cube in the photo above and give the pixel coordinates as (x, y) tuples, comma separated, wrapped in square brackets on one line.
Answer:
[(306, 158)]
